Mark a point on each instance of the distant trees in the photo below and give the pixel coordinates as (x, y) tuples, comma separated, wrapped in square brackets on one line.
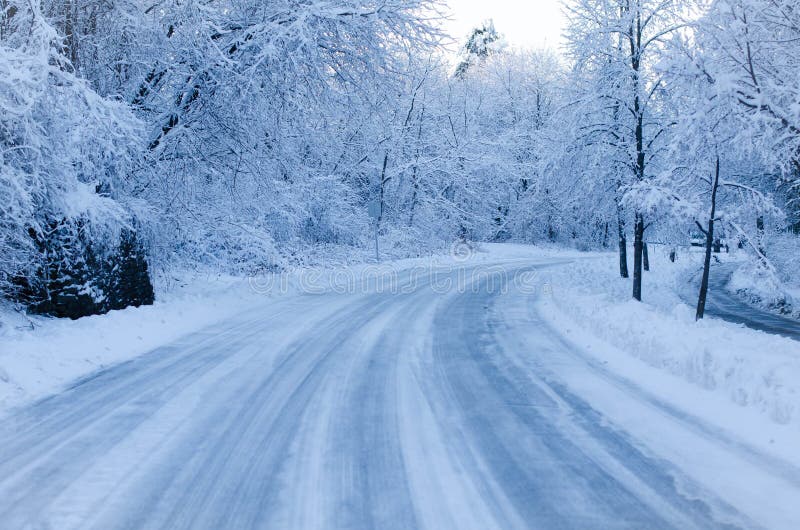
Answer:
[(482, 42)]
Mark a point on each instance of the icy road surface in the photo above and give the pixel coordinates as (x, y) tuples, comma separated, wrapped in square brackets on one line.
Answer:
[(727, 305), (438, 407)]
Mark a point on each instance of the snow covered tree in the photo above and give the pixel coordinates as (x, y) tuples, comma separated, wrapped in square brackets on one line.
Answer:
[(248, 121), (752, 54), (617, 44), (716, 165), (65, 151), (482, 42)]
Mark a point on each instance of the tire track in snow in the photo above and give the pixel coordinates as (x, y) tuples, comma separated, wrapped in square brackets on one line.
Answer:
[(543, 449)]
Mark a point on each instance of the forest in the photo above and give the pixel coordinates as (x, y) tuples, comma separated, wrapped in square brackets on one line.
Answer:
[(139, 136)]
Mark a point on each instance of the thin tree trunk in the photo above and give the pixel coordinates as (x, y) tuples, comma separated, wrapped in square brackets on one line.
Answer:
[(645, 257), (623, 247), (414, 177), (71, 40), (709, 232), (379, 217), (413, 201), (638, 246)]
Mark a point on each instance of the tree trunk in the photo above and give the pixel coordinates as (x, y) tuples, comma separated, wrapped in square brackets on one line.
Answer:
[(760, 234), (379, 216), (645, 257), (701, 300), (623, 247), (71, 40), (638, 246), (635, 41), (414, 176)]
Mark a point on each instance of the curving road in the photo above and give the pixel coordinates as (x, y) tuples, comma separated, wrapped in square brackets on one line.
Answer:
[(728, 306), (427, 408)]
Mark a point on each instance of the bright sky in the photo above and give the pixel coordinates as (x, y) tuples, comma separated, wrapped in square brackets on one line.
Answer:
[(525, 23)]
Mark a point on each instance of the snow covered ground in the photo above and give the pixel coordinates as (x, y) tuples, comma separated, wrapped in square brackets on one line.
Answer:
[(511, 387), (753, 369), (40, 355)]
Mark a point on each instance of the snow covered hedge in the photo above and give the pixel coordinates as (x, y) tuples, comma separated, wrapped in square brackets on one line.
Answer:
[(64, 236)]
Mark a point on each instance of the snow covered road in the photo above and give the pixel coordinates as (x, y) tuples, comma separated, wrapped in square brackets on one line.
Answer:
[(449, 404), (724, 304)]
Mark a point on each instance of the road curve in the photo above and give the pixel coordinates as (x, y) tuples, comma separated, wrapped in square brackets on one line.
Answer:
[(722, 303), (372, 410)]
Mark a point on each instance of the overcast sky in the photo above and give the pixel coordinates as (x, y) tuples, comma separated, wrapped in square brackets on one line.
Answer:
[(525, 23)]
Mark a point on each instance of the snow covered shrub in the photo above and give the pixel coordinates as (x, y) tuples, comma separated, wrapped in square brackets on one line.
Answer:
[(774, 287), (338, 222), (65, 240), (783, 251), (78, 274)]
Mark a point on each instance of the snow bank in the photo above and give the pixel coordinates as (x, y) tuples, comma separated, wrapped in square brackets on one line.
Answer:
[(752, 368), (40, 355)]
